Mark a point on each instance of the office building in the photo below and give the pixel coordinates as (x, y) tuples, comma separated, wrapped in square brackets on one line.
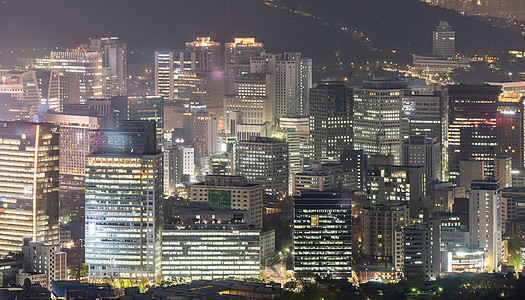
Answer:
[(469, 106), (312, 180), (124, 194), (192, 76), (253, 96), (84, 64), (49, 88), (432, 65), (301, 125), (248, 131), (195, 88), (354, 162), (397, 183), (114, 64), (293, 79), (205, 133), (76, 143), (231, 192), (480, 142), (179, 167), (471, 260), (69, 90), (503, 171), (377, 117), (22, 86), (424, 113), (12, 109), (419, 150), (323, 217), (164, 75), (471, 170), (447, 235), (444, 41), (509, 120), (136, 137), (512, 205), (237, 57), (485, 221), (148, 108), (29, 184), (210, 244), (330, 121), (382, 231), (443, 195), (206, 54), (45, 259), (264, 161), (422, 257)]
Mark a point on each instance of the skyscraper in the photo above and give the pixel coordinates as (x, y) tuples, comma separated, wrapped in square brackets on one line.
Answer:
[(29, 184), (84, 64), (205, 133), (76, 143), (444, 41), (69, 90), (485, 221), (469, 106), (480, 142), (424, 113), (397, 183), (377, 117), (253, 97), (382, 230), (164, 75), (201, 88), (293, 79), (237, 58), (148, 108), (419, 150), (322, 234), (264, 161), (114, 64), (205, 54), (330, 121), (179, 167), (509, 120), (124, 188)]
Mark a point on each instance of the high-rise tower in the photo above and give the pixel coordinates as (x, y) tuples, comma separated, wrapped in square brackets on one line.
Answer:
[(28, 184), (444, 41)]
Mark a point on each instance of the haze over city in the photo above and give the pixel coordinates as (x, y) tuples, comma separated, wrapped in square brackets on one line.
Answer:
[(284, 149)]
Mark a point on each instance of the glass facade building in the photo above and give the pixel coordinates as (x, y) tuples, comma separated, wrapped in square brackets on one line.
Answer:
[(210, 251), (322, 234), (29, 184), (123, 216)]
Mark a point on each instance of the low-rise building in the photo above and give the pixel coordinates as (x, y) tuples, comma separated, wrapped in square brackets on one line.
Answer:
[(45, 259), (230, 192), (205, 243), (312, 180)]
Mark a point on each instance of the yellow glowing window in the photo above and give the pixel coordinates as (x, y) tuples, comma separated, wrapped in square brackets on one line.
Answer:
[(314, 221)]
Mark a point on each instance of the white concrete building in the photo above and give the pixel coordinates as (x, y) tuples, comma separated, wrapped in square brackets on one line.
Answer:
[(485, 221)]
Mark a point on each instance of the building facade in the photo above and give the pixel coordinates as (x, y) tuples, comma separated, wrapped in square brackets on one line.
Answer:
[(264, 161), (322, 234), (330, 122), (377, 117), (485, 221), (29, 184)]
